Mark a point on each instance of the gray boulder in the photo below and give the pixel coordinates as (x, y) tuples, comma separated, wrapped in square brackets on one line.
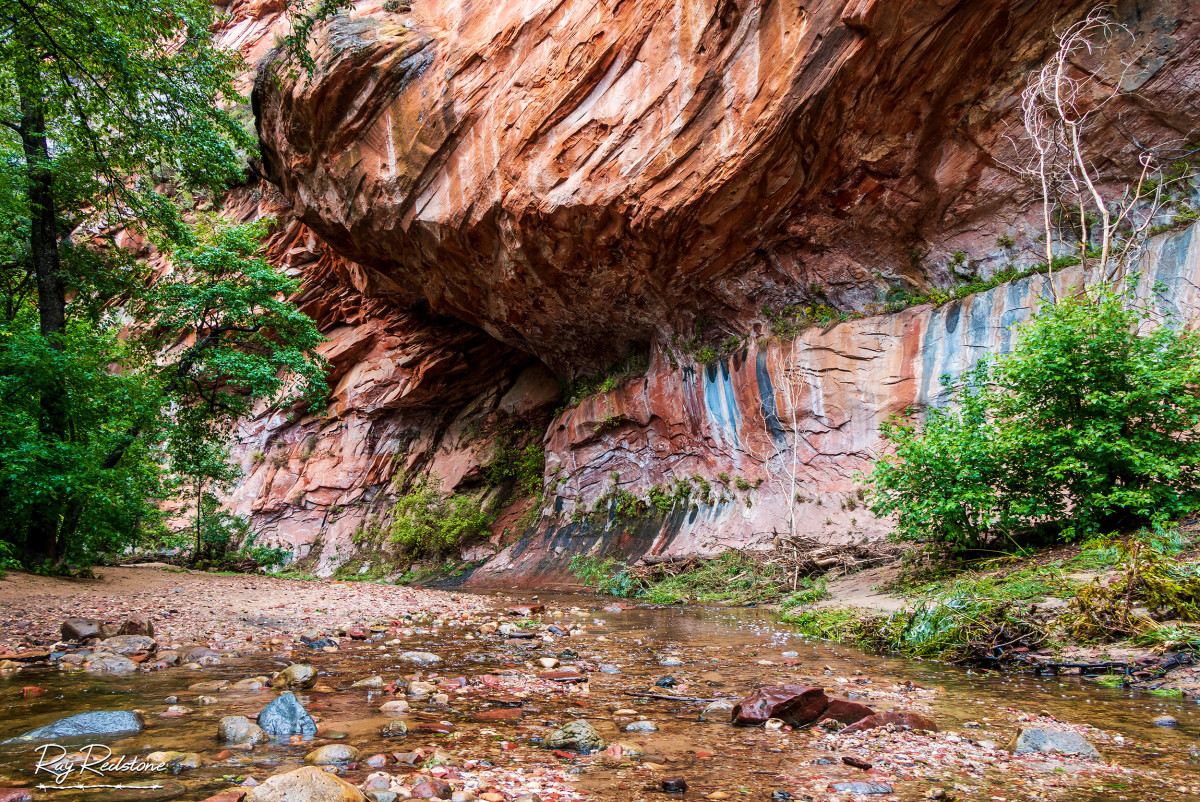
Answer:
[(97, 725), (128, 644), (1036, 739), (421, 658), (285, 717), (578, 736), (111, 664)]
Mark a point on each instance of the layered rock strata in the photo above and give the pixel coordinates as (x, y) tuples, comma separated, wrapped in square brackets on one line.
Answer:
[(488, 200)]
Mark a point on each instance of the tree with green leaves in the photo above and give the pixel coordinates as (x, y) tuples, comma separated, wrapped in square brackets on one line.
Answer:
[(1090, 423), (102, 107)]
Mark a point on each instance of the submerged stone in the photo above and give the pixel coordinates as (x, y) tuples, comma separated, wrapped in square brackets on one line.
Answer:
[(99, 724)]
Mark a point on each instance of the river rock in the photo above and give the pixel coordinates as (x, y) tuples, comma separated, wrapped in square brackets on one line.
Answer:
[(846, 711), (420, 658), (16, 795), (394, 729), (859, 787), (793, 704), (1038, 739), (197, 653), (239, 730), (137, 624), (285, 717), (115, 664), (381, 795), (331, 755), (394, 707), (176, 760), (370, 682), (97, 725), (720, 710), (418, 690), (1166, 721), (249, 684), (128, 644), (641, 726), (83, 629), (297, 675), (527, 609), (307, 784), (578, 736), (432, 789), (901, 718)]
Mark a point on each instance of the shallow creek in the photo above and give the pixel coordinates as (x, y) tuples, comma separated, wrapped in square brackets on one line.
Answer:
[(723, 653)]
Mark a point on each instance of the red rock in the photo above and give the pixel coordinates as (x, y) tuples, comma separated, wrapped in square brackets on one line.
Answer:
[(224, 754), (229, 795), (563, 676), (32, 690), (435, 727), (905, 719), (845, 710), (432, 789), (590, 186), (794, 704)]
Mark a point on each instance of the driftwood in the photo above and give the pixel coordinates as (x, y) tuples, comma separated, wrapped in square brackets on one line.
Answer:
[(795, 558), (802, 557)]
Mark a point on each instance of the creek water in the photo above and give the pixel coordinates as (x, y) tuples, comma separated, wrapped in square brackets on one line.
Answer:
[(723, 653)]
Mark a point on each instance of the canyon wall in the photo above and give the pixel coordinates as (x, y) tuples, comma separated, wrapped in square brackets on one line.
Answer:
[(489, 201)]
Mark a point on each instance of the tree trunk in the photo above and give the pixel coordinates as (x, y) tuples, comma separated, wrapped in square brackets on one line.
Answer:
[(43, 540)]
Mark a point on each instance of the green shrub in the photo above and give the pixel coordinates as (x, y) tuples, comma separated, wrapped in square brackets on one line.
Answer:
[(1088, 424), (609, 576), (426, 521)]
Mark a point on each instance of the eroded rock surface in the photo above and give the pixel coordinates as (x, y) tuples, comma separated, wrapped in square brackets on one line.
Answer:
[(484, 200)]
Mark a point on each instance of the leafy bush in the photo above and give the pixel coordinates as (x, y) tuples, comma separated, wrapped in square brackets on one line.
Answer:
[(1089, 423), (609, 576), (426, 521)]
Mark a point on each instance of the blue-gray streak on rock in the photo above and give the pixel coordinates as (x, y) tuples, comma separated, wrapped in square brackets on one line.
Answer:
[(766, 392), (720, 402)]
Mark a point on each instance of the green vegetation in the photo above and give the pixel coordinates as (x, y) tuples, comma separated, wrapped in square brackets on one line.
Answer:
[(682, 493), (1148, 596), (519, 457), (118, 121), (731, 578), (428, 522), (608, 576), (1087, 425), (628, 368)]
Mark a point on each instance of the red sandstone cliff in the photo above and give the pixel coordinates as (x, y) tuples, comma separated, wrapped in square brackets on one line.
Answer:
[(486, 197)]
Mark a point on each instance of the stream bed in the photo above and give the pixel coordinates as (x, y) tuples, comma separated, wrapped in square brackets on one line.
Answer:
[(628, 658)]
